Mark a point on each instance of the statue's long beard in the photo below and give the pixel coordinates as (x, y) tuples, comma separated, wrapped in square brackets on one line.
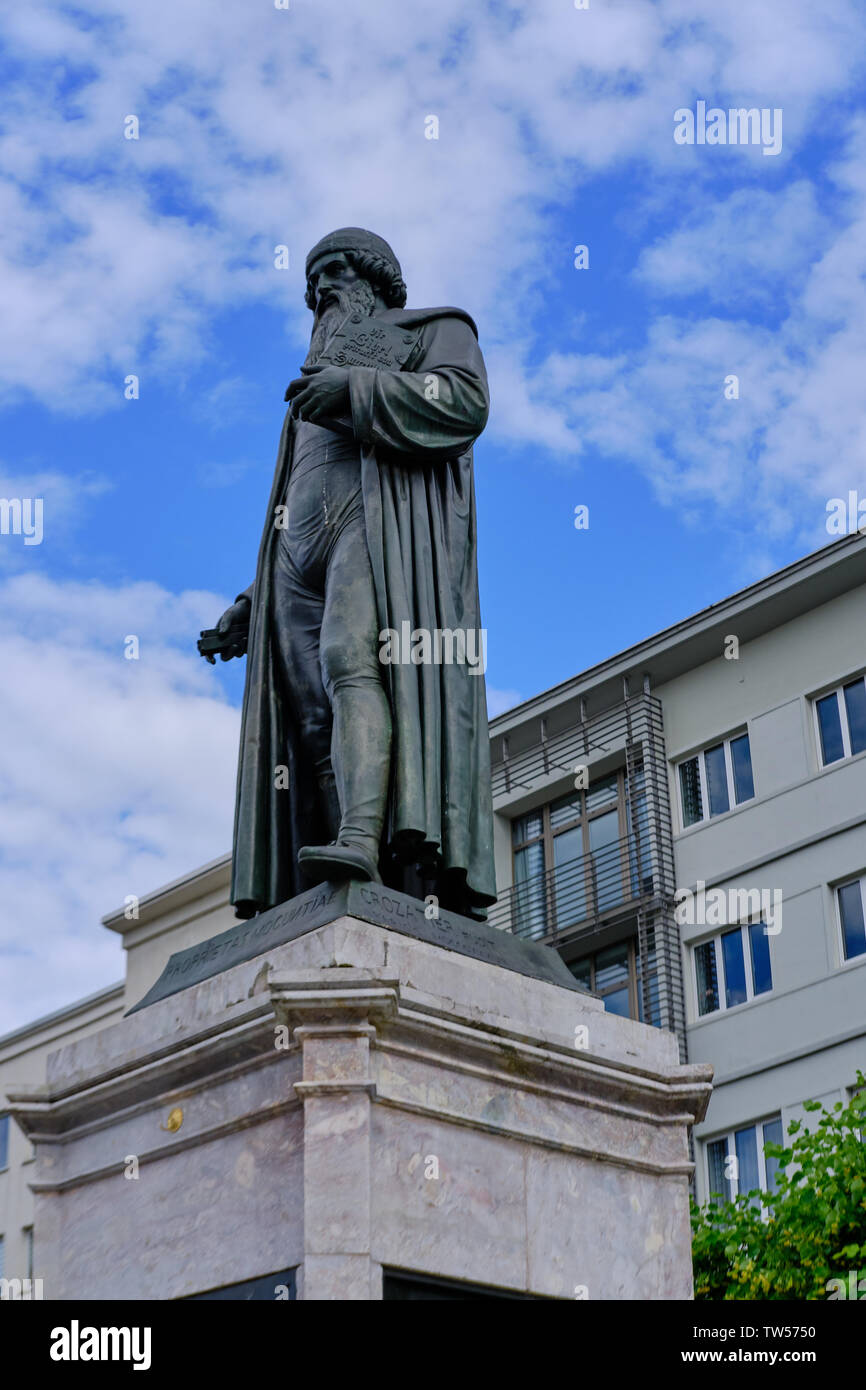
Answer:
[(359, 299)]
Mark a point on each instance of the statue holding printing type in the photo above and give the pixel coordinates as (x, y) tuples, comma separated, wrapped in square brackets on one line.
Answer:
[(364, 745)]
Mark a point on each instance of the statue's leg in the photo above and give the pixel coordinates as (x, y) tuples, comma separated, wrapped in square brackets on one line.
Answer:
[(361, 737), (349, 645), (297, 619)]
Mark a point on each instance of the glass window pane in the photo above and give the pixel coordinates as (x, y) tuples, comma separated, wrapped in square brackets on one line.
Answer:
[(606, 859), (529, 900), (565, 810), (611, 967), (717, 1153), (690, 789), (830, 729), (617, 1003), (705, 974), (570, 878), (734, 967), (855, 708), (772, 1135), (853, 929), (582, 971), (759, 943), (527, 827), (602, 793), (741, 761), (4, 1141), (717, 780), (568, 845), (603, 830), (748, 1173), (528, 862)]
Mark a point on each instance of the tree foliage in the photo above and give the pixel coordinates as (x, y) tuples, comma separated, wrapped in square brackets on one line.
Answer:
[(790, 1243)]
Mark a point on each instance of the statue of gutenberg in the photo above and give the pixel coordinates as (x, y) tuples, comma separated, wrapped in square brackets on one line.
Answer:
[(354, 765)]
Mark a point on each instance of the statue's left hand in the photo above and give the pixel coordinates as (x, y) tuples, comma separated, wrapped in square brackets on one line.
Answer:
[(322, 393)]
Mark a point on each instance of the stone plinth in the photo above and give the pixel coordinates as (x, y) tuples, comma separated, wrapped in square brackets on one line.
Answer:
[(357, 1100)]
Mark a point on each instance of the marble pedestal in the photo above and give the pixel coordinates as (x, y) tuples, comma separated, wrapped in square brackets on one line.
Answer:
[(355, 1101)]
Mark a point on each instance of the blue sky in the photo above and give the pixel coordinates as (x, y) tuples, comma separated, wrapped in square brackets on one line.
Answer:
[(261, 127)]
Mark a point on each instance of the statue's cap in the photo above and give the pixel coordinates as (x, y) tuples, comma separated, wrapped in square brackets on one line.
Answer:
[(353, 239)]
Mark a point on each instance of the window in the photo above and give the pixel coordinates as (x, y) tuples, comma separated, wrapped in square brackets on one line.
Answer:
[(616, 974), (852, 918), (578, 857), (732, 968), (4, 1142), (2, 1257), (737, 1162), (715, 780), (841, 720)]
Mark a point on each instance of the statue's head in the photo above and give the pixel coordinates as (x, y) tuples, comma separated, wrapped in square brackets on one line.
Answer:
[(355, 268)]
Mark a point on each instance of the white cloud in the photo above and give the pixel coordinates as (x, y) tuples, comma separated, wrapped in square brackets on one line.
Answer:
[(796, 436), (64, 500), (115, 776), (742, 251), (271, 126)]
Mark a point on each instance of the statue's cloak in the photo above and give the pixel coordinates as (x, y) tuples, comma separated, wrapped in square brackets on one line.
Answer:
[(415, 428)]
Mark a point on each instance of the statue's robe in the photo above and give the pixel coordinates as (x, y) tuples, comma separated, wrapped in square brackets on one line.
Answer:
[(415, 440)]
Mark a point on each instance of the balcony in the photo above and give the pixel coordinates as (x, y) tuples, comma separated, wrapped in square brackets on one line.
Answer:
[(623, 889), (581, 896)]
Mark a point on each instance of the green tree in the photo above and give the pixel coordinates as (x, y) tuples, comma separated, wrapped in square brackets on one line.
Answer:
[(789, 1243)]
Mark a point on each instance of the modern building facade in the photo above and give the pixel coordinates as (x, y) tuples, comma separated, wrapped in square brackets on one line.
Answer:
[(686, 824), (22, 1060)]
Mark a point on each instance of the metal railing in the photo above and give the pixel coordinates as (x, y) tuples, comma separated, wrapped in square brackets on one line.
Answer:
[(631, 877), (572, 899)]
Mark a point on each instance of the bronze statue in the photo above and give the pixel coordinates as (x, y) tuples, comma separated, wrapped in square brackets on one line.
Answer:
[(356, 762)]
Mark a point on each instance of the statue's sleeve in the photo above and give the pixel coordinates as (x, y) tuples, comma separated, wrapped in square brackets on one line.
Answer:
[(439, 408)]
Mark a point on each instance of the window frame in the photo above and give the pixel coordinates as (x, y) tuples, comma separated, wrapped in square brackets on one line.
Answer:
[(839, 691), (631, 966), (635, 976), (860, 879), (716, 938), (733, 805), (583, 819), (729, 1137)]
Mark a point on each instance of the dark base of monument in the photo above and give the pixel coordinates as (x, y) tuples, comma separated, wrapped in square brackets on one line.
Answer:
[(384, 907)]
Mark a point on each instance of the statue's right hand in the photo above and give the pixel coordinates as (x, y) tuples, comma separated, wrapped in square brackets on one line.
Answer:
[(236, 617)]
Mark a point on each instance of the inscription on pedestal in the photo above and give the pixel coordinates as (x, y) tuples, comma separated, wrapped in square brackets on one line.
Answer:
[(384, 907)]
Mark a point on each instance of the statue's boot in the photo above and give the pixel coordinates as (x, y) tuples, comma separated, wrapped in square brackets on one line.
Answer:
[(329, 800), (338, 861), (361, 768)]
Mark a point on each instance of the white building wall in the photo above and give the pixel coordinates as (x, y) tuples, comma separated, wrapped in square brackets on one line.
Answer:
[(22, 1060), (804, 831)]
